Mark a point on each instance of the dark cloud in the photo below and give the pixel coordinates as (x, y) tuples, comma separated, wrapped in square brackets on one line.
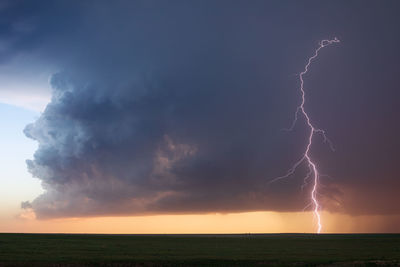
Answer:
[(177, 107), (26, 205)]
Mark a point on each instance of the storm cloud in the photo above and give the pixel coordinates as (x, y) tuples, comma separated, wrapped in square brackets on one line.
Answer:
[(177, 107)]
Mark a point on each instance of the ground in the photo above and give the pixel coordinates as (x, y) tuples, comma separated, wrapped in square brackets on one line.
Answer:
[(200, 250)]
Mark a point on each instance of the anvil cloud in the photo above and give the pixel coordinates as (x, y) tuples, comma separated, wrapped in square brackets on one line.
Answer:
[(177, 107)]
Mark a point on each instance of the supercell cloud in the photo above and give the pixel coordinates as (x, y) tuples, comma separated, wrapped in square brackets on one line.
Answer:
[(177, 108)]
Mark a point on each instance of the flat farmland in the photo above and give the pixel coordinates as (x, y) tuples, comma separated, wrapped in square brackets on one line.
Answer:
[(200, 250)]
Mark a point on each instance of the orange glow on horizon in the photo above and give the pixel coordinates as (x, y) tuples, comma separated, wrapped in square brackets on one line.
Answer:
[(249, 222)]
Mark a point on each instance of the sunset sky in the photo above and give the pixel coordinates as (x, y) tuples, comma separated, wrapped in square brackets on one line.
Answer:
[(167, 116)]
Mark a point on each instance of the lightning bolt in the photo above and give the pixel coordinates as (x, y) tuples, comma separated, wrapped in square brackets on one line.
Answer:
[(312, 167)]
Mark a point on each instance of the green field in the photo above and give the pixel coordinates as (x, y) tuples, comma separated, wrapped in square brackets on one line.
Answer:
[(199, 250)]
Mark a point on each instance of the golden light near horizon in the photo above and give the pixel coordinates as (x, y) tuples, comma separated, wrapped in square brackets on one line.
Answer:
[(233, 223)]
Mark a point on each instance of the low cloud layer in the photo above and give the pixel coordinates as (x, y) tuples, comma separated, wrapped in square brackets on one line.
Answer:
[(177, 108)]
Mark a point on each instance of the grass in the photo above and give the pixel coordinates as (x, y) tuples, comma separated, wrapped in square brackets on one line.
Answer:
[(198, 250)]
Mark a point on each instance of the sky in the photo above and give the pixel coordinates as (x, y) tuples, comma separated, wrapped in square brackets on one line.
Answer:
[(167, 116)]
